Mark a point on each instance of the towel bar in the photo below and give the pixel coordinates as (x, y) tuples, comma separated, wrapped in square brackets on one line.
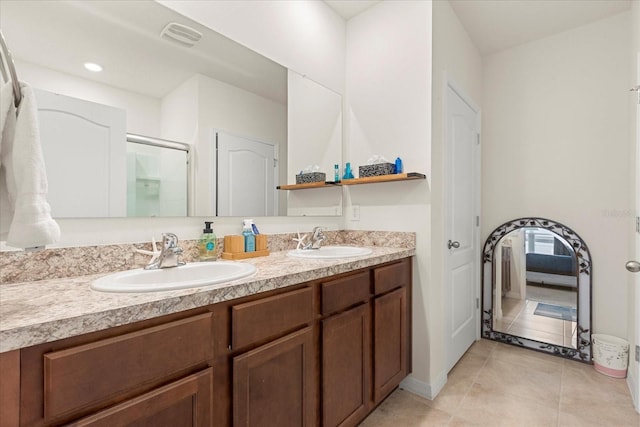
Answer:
[(17, 92)]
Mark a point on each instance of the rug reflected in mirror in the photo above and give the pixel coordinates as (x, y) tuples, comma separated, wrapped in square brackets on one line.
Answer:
[(556, 311)]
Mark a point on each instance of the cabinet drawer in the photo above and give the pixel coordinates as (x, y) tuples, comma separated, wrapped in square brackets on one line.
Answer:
[(83, 376), (259, 320), (342, 293), (392, 276), (186, 402)]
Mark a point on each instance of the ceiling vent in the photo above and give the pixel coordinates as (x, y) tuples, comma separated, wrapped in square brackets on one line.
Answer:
[(182, 34)]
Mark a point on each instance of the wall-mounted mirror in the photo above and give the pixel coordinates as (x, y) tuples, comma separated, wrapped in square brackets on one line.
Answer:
[(536, 288), (216, 93)]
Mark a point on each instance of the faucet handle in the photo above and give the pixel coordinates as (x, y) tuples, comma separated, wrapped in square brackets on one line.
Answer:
[(169, 240)]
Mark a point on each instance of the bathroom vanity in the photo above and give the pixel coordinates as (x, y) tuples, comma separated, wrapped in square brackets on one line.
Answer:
[(321, 344)]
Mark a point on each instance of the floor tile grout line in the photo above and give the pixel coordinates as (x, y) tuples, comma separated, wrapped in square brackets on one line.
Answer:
[(473, 382), (564, 364)]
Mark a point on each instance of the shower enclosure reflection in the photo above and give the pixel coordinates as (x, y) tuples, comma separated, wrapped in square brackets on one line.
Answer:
[(157, 177), (537, 288)]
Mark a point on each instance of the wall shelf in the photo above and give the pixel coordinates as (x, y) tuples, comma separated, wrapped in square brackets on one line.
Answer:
[(356, 181), (385, 178), (309, 185)]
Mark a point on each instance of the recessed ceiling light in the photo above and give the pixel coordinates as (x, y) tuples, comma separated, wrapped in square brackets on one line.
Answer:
[(92, 67)]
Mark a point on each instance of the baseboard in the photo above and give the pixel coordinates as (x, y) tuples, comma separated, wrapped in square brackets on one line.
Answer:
[(421, 388), (632, 383)]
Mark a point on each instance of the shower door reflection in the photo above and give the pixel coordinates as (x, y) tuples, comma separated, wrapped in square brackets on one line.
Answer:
[(157, 177)]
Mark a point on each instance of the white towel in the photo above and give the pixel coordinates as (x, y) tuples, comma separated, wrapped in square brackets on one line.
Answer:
[(25, 215)]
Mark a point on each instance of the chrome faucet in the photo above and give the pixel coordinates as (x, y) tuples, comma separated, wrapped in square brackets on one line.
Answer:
[(169, 255), (316, 239)]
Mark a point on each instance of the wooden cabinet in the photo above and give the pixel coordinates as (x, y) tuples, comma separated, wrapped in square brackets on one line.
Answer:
[(391, 327), (389, 342), (86, 375), (273, 385), (184, 403), (346, 366), (364, 340), (265, 359), (121, 373), (10, 388), (322, 353)]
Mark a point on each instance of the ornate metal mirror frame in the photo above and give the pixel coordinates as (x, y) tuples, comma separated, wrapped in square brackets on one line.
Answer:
[(582, 352)]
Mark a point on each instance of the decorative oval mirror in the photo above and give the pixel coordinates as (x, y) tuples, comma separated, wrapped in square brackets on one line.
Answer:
[(536, 288)]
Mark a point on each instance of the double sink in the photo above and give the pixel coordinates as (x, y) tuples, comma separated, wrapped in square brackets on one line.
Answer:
[(199, 274)]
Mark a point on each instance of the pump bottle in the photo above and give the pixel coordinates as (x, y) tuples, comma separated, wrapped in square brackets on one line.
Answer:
[(207, 243)]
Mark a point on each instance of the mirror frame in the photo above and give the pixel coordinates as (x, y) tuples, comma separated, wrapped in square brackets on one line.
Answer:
[(583, 351)]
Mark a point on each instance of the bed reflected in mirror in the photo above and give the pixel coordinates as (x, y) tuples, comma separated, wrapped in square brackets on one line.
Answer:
[(536, 288)]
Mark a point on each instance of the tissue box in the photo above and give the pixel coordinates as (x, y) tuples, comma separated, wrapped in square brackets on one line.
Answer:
[(305, 178), (375, 170)]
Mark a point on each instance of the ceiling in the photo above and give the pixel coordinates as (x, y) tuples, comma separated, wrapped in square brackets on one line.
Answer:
[(50, 38), (124, 37), (495, 25), (350, 8)]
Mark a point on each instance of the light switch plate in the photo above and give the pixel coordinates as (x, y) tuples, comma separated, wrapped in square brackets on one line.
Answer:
[(354, 213)]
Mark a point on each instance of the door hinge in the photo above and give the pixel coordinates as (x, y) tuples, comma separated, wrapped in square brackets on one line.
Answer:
[(638, 224), (477, 302), (636, 89), (275, 163), (477, 221), (477, 139), (637, 353)]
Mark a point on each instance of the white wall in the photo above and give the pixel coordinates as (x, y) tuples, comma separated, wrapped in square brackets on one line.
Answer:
[(143, 112), (455, 57), (388, 112), (556, 145), (314, 131)]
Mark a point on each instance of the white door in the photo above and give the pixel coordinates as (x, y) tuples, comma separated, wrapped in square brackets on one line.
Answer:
[(84, 149), (636, 256), (461, 189), (246, 176)]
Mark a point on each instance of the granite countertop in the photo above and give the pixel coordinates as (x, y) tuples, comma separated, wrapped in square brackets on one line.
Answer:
[(48, 310)]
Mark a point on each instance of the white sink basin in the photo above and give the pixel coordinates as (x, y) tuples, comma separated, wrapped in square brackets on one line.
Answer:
[(164, 279), (330, 252)]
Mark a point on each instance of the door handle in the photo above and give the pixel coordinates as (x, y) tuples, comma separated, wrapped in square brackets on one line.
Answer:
[(454, 245), (633, 266)]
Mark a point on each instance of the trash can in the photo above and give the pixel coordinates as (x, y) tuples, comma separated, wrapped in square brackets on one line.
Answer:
[(610, 355)]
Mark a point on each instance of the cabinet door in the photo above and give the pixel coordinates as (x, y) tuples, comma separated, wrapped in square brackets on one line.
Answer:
[(90, 375), (10, 388), (184, 403), (273, 385), (346, 369), (389, 342)]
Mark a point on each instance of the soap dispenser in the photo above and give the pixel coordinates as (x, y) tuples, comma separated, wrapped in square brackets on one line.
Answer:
[(207, 243)]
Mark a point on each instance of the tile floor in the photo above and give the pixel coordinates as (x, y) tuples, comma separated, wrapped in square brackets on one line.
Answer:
[(496, 384), (519, 319)]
